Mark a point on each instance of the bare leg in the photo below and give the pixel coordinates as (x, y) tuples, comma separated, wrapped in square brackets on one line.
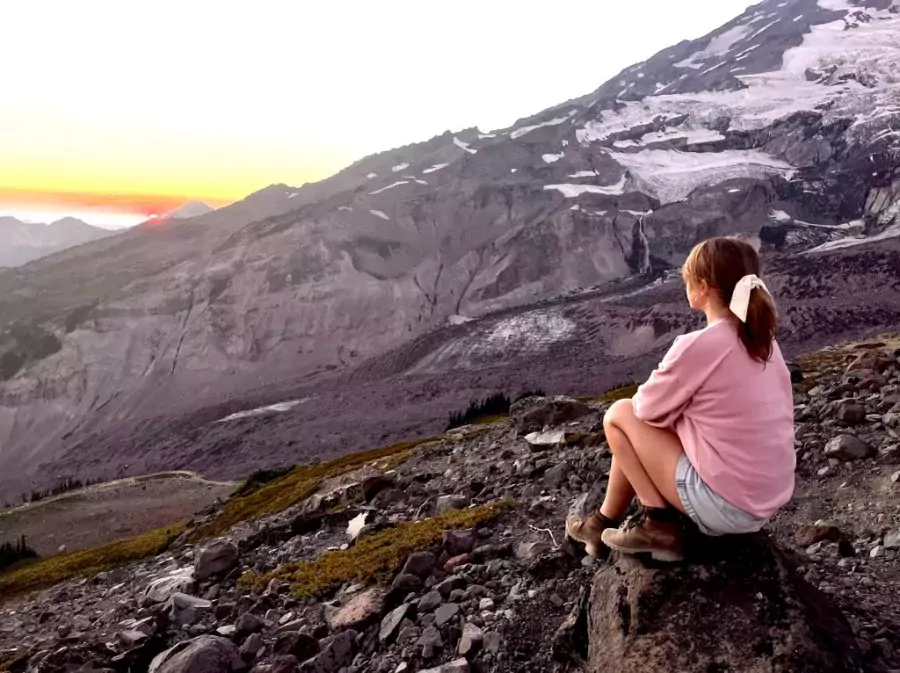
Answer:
[(645, 456), (619, 493)]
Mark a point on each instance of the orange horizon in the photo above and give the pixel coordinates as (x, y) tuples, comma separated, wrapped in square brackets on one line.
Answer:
[(137, 204)]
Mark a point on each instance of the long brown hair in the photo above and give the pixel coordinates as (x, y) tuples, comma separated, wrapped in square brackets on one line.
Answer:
[(722, 262)]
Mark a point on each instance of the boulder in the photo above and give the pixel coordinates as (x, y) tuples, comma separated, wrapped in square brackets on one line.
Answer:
[(457, 666), (162, 588), (206, 654), (848, 447), (392, 621), (300, 645), (216, 558), (337, 653), (533, 414), (851, 413), (471, 640), (742, 607), (358, 611), (185, 610), (542, 441), (420, 564), (375, 484), (445, 503)]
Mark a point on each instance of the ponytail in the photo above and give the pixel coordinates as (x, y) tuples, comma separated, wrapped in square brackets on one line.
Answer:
[(758, 332)]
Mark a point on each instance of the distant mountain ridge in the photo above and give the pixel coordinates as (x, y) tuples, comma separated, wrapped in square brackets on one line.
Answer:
[(189, 210), (22, 242)]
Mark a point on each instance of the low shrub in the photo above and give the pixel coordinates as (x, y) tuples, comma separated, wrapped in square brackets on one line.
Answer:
[(52, 570), (12, 553), (260, 478), (488, 410), (296, 485), (374, 558)]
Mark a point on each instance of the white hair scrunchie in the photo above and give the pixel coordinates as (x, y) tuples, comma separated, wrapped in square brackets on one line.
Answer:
[(740, 298)]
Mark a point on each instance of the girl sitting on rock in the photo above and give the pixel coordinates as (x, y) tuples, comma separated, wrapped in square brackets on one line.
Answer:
[(711, 433)]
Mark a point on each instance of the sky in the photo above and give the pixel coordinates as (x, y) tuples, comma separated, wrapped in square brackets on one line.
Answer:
[(117, 111)]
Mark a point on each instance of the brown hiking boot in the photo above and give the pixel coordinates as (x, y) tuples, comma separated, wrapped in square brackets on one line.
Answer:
[(588, 531), (651, 531)]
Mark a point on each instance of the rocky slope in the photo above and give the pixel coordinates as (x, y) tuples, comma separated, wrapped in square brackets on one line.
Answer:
[(506, 592), (778, 125), (22, 242)]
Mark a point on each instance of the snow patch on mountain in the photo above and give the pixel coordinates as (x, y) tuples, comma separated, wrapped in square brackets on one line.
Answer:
[(391, 186), (552, 158), (435, 168), (583, 174), (574, 191), (378, 213), (531, 332), (718, 46), (463, 146), (672, 175), (280, 407), (399, 167), (524, 130)]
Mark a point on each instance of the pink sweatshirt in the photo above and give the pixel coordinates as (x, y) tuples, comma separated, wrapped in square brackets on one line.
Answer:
[(734, 416)]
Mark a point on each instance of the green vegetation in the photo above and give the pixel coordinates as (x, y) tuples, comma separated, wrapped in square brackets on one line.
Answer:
[(298, 484), (623, 391), (86, 562), (15, 662), (64, 486), (488, 410), (375, 557), (260, 478), (12, 553)]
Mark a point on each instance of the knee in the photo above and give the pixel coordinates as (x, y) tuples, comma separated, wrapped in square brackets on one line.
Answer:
[(617, 414)]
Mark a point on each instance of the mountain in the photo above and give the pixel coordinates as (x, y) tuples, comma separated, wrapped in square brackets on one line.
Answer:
[(188, 210), (558, 235), (22, 242)]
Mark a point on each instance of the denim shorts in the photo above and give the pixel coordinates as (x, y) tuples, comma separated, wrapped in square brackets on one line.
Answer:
[(711, 512)]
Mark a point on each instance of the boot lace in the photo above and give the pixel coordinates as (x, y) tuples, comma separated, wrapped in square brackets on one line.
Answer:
[(637, 520)]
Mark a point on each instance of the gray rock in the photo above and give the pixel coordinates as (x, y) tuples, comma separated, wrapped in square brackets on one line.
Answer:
[(392, 621), (375, 484), (851, 413), (892, 540), (216, 558), (471, 640), (450, 584), (185, 609), (447, 502), (848, 447), (359, 611), (407, 582), (430, 601), (557, 475), (206, 654), (445, 613), (493, 642), (160, 589), (301, 645), (458, 666), (251, 647), (284, 663), (420, 564), (431, 642), (526, 551), (337, 652), (458, 542), (248, 623), (532, 414)]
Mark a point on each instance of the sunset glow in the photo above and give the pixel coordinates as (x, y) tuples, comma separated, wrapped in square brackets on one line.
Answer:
[(95, 123)]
